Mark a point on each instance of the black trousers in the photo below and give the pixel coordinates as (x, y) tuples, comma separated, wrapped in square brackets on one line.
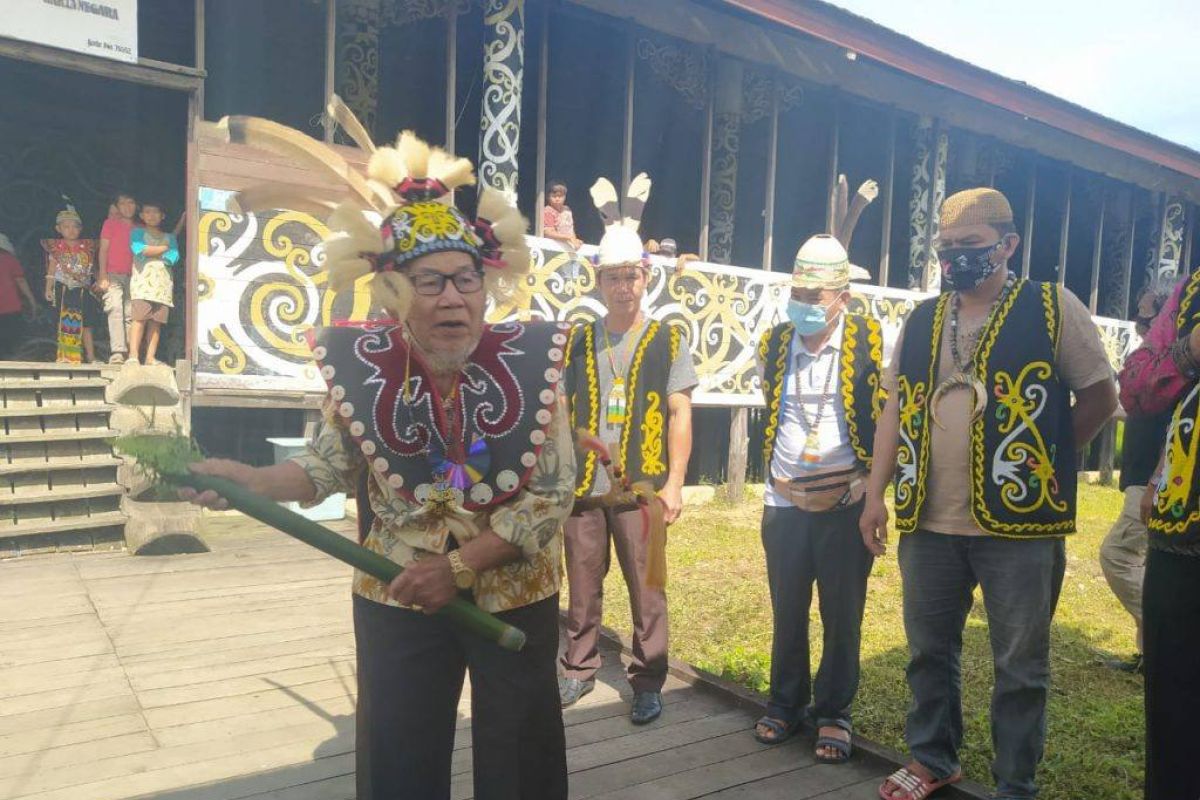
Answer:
[(410, 678), (803, 548), (1171, 641)]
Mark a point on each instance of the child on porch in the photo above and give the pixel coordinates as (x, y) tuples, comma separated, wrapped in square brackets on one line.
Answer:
[(151, 287), (69, 264), (558, 223)]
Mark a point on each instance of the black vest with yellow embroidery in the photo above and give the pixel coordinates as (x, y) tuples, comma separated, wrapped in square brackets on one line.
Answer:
[(1022, 448), (1175, 515), (643, 445), (858, 381)]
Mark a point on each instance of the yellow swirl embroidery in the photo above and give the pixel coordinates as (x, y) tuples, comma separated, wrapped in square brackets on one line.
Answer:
[(588, 472), (1019, 403), (1172, 515), (912, 405), (428, 221), (635, 370), (913, 466), (849, 372), (773, 376), (1182, 321), (652, 431)]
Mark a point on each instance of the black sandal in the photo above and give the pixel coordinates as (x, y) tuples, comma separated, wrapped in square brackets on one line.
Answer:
[(780, 731), (842, 746)]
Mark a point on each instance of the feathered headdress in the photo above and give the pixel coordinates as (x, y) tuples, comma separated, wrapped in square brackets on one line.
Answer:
[(411, 186), (621, 245)]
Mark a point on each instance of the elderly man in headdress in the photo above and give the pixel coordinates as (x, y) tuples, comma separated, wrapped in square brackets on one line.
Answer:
[(462, 439), (981, 434), (629, 380), (820, 372)]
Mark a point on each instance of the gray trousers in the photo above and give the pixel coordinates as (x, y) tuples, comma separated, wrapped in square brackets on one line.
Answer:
[(1021, 580), (1123, 556), (116, 307), (803, 548)]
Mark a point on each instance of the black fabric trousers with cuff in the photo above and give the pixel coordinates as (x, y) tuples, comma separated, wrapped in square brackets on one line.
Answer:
[(804, 548), (410, 678)]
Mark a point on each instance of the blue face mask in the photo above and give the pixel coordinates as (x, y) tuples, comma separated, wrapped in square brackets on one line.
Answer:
[(808, 318)]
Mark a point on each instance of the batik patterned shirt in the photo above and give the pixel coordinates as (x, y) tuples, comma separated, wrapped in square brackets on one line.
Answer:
[(531, 520)]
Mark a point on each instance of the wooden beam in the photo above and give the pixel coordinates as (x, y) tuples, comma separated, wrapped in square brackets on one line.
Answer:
[(147, 72), (772, 167), (706, 166), (330, 66), (543, 93), (1030, 207), (1097, 248), (451, 74), (1064, 232), (889, 185), (191, 267)]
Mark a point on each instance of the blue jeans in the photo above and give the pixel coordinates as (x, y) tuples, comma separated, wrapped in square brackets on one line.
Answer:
[(1021, 580)]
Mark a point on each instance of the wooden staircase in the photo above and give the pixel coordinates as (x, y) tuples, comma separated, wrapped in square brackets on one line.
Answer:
[(58, 474)]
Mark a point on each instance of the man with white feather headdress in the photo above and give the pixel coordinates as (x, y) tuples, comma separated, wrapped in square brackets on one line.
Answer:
[(629, 379), (458, 435)]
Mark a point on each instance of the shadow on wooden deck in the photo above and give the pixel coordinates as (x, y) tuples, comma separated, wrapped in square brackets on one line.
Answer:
[(230, 675)]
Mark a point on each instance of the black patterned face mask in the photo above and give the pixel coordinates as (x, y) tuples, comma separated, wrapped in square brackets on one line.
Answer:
[(964, 268)]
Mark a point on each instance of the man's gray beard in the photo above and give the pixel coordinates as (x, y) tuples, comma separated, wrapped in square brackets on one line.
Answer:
[(449, 363)]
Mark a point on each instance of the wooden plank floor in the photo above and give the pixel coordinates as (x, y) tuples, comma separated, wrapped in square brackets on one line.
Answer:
[(230, 674)]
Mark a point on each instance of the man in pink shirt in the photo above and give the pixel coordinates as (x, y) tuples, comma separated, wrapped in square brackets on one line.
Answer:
[(13, 286), (112, 277)]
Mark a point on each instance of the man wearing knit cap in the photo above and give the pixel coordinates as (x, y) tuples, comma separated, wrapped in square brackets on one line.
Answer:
[(820, 372), (981, 436)]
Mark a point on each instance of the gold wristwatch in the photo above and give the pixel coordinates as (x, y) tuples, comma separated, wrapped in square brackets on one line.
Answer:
[(464, 576)]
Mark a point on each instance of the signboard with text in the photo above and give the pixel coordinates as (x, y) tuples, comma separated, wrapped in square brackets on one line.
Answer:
[(104, 28)]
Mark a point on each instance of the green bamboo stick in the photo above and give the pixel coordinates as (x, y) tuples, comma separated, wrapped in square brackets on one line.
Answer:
[(165, 459), (466, 614)]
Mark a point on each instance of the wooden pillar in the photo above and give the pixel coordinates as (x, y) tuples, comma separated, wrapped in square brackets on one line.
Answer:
[(1030, 207), (627, 138), (543, 93), (831, 175), (772, 165), (1097, 248), (503, 77), (739, 446), (889, 186), (1127, 273), (330, 65), (1064, 232), (726, 134), (451, 74), (1185, 265), (706, 187)]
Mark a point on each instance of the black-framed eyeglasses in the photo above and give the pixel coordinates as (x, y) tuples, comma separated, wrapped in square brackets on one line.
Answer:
[(432, 284)]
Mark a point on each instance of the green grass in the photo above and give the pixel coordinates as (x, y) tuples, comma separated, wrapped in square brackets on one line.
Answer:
[(721, 622)]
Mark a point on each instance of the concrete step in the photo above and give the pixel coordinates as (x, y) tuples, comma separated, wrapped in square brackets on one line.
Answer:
[(56, 436), (59, 465), (106, 519), (50, 368), (60, 494), (52, 383), (55, 411)]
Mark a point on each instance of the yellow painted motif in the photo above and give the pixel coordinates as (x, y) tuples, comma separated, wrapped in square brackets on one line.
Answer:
[(652, 431), (233, 358)]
